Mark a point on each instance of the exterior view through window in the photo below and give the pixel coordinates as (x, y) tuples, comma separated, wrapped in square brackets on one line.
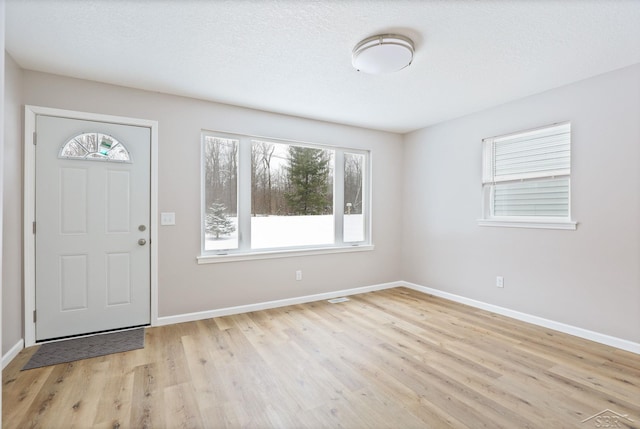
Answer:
[(291, 195), (260, 194), (221, 193), (354, 224)]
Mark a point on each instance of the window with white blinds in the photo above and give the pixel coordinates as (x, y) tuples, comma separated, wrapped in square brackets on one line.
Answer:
[(526, 176)]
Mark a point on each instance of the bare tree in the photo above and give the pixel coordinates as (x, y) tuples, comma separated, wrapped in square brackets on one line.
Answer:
[(265, 151), (221, 172)]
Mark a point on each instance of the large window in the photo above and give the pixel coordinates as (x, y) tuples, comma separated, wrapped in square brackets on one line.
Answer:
[(262, 195), (527, 178)]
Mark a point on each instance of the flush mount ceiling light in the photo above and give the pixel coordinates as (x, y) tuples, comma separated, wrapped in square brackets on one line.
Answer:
[(384, 53)]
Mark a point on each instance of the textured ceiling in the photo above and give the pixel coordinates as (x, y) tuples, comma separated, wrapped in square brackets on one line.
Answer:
[(294, 56)]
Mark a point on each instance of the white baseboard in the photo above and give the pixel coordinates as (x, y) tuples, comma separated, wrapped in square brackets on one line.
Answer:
[(608, 340), (535, 320), (189, 317), (12, 353)]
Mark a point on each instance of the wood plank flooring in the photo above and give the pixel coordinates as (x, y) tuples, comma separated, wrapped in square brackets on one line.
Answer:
[(390, 359)]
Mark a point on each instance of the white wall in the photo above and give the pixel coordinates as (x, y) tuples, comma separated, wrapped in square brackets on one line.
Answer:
[(588, 278), (186, 287), (12, 207)]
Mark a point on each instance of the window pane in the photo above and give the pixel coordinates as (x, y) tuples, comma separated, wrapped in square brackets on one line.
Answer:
[(548, 198), (291, 195), (533, 154), (353, 197), (221, 193)]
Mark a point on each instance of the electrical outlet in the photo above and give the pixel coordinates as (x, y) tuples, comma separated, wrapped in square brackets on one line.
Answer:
[(500, 281), (299, 275)]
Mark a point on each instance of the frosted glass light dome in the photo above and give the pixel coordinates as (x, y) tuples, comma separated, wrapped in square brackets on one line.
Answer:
[(384, 53)]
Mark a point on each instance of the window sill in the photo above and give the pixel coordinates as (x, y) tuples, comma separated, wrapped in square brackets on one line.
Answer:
[(529, 223), (274, 254)]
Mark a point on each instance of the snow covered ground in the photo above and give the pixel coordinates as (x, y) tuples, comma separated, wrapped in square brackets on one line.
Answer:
[(287, 231)]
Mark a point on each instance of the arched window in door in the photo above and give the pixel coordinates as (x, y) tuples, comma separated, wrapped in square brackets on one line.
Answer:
[(95, 147)]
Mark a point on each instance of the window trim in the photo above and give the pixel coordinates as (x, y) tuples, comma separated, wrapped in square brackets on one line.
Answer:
[(529, 223), (281, 253), (488, 188), (244, 251)]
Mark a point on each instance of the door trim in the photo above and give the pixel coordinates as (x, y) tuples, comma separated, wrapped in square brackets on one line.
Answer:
[(30, 113)]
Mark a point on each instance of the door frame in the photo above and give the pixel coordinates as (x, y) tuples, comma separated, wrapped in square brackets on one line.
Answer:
[(30, 113)]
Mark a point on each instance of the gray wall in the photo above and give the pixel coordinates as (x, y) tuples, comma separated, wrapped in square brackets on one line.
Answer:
[(185, 286), (425, 205), (12, 207), (589, 278)]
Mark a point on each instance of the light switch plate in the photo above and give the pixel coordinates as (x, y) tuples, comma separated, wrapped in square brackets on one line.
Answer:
[(167, 218)]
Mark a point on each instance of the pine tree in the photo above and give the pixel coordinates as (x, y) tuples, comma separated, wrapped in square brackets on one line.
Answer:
[(308, 174), (217, 221)]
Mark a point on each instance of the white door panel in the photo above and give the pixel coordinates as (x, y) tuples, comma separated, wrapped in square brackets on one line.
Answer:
[(91, 273)]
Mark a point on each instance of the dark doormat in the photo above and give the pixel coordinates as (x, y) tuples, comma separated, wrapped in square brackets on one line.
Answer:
[(86, 347)]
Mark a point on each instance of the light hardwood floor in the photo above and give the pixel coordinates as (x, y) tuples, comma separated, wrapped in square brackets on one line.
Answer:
[(389, 359)]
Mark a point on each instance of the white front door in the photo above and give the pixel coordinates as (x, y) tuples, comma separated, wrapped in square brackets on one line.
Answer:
[(92, 226)]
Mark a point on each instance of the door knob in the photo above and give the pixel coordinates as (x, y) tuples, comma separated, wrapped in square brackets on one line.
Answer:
[(142, 242)]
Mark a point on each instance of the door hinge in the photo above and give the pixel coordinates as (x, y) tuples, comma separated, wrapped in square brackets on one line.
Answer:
[(35, 138), (34, 316), (34, 227)]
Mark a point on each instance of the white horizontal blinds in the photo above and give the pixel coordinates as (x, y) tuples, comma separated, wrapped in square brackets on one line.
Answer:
[(532, 198), (534, 154), (529, 172)]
